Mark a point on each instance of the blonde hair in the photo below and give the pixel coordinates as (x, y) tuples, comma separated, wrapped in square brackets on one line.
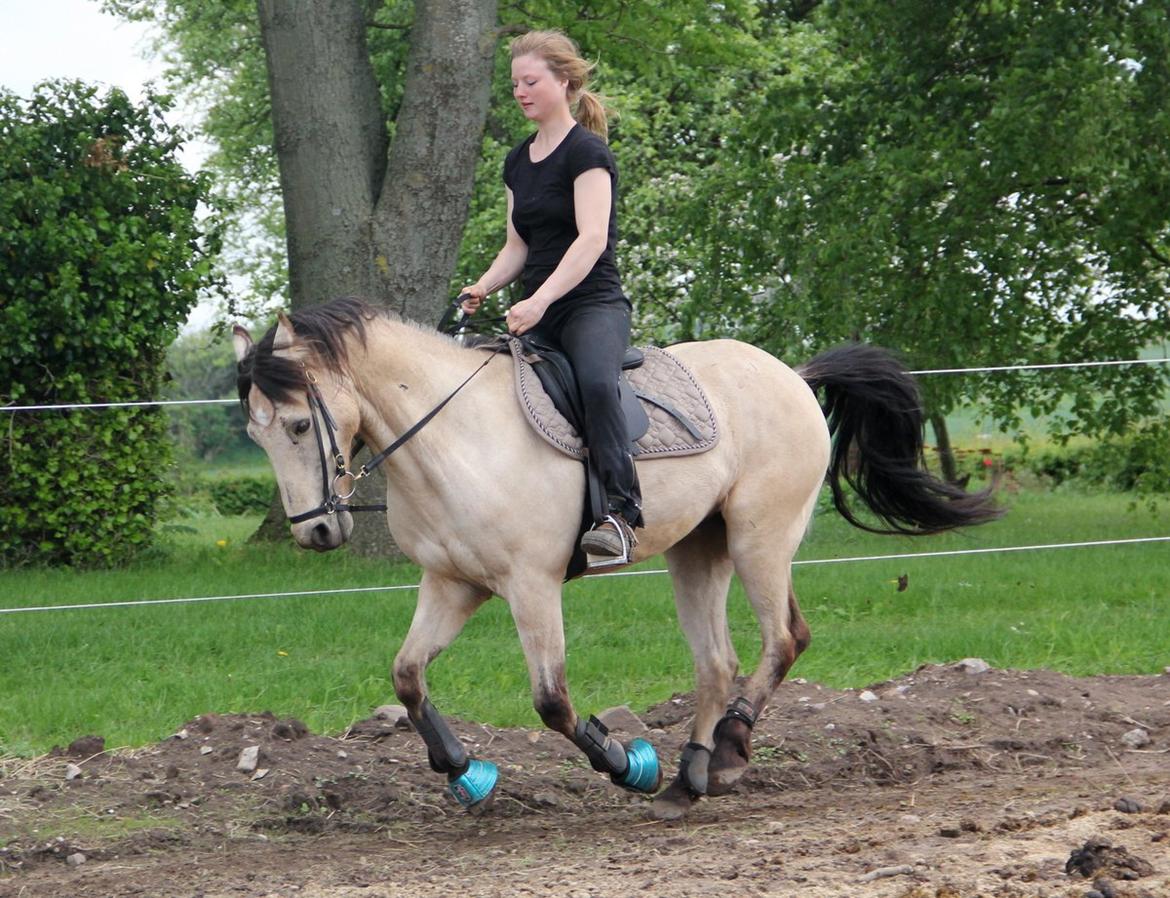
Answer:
[(565, 61)]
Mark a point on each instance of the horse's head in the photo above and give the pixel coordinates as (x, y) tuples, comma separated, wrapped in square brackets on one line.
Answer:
[(302, 412)]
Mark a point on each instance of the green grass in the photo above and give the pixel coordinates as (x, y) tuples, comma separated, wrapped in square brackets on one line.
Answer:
[(135, 675)]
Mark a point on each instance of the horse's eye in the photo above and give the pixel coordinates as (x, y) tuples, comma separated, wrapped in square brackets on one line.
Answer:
[(302, 427)]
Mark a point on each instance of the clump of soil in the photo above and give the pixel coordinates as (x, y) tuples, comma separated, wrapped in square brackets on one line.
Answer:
[(950, 781)]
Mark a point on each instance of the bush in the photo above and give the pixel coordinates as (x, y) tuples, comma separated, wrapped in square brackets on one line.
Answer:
[(102, 255), (242, 495), (1138, 462)]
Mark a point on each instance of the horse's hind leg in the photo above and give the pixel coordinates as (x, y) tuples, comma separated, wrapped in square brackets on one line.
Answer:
[(700, 569), (443, 608), (763, 561)]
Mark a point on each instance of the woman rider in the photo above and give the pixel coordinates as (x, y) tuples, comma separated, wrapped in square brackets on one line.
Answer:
[(561, 185)]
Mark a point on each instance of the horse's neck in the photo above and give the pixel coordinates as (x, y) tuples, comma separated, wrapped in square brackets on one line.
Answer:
[(403, 373)]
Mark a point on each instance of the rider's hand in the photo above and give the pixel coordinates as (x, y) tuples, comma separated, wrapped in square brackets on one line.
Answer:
[(475, 296), (525, 315)]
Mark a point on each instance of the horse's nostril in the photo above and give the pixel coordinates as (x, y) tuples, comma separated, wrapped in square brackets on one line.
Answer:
[(321, 536)]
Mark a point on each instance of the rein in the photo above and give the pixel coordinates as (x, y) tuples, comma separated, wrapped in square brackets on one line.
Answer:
[(333, 499)]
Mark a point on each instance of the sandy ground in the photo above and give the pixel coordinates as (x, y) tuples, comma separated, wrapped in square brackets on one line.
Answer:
[(944, 783)]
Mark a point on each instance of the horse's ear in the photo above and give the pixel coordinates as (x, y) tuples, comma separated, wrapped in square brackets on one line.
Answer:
[(285, 336), (260, 407), (241, 342)]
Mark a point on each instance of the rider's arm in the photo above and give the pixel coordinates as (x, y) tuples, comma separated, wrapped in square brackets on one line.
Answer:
[(506, 267), (592, 196)]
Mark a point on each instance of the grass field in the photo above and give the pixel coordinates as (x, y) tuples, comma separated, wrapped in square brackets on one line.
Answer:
[(135, 675)]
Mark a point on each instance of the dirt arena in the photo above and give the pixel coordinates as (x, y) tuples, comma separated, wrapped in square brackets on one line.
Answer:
[(949, 782)]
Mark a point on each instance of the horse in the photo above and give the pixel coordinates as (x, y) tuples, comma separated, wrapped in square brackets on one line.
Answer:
[(485, 507)]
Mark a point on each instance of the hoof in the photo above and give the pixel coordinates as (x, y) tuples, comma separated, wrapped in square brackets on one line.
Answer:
[(723, 781), (674, 803), (644, 773), (730, 758), (473, 788)]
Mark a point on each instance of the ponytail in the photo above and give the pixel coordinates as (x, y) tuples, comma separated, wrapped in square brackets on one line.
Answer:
[(593, 114)]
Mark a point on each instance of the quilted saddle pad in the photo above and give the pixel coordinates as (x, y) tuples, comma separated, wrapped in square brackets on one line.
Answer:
[(681, 419)]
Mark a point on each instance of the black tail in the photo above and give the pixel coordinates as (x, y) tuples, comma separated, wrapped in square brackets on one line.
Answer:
[(875, 417)]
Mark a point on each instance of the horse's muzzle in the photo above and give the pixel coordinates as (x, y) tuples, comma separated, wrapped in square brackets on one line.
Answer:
[(324, 533)]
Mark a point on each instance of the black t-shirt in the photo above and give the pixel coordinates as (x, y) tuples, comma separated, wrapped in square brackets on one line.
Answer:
[(544, 214)]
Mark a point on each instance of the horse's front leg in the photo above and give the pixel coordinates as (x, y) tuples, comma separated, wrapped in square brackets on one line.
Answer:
[(443, 608), (540, 625)]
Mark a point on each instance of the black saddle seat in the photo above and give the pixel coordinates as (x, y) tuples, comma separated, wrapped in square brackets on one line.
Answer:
[(559, 380)]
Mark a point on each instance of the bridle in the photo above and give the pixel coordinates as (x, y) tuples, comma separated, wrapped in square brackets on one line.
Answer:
[(335, 498)]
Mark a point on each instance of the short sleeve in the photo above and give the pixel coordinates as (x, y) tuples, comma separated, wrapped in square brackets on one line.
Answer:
[(590, 152), (509, 167)]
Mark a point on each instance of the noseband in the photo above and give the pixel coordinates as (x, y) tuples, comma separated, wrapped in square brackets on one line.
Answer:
[(333, 498)]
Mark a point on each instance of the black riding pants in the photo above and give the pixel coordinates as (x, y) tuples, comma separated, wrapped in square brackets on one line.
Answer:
[(595, 336)]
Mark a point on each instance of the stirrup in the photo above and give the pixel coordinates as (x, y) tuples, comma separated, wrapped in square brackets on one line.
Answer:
[(625, 534)]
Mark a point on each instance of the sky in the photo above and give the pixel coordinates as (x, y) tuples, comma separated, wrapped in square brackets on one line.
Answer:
[(42, 39), (72, 39)]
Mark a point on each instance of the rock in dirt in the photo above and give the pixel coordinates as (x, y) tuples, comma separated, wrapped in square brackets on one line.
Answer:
[(886, 872), (76, 859), (393, 714), (1127, 805), (1136, 738), (622, 720), (72, 772), (972, 666), (1100, 856), (249, 759)]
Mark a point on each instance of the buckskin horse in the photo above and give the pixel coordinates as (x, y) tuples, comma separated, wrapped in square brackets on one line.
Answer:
[(486, 507)]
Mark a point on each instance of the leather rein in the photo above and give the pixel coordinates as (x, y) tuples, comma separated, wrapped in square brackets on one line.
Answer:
[(340, 487)]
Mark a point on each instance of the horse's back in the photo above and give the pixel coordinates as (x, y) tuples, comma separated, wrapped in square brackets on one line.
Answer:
[(750, 386)]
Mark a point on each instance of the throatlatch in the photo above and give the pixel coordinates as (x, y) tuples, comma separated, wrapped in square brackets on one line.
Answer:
[(469, 780), (635, 768)]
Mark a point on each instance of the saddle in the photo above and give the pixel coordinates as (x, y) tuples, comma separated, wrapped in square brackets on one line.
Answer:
[(559, 381), (667, 413)]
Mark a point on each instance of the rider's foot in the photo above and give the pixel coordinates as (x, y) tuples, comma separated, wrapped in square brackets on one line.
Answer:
[(612, 538)]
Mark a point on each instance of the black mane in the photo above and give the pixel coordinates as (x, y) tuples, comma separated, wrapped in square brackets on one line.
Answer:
[(323, 328)]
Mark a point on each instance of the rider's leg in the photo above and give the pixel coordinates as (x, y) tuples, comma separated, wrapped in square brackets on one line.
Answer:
[(595, 338)]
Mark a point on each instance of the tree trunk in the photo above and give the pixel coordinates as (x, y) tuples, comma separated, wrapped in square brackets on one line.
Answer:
[(330, 140), (366, 217), (419, 220), (946, 454)]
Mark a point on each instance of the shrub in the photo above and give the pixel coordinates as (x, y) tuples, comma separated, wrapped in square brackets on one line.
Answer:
[(1137, 462), (102, 255), (242, 495)]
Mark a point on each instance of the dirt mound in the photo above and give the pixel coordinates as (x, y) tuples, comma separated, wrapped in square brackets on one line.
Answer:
[(950, 781)]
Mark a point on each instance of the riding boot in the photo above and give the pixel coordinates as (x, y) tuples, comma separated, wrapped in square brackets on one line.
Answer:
[(611, 538)]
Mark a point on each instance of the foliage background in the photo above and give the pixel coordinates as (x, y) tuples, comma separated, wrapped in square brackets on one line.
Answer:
[(102, 255), (964, 183)]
